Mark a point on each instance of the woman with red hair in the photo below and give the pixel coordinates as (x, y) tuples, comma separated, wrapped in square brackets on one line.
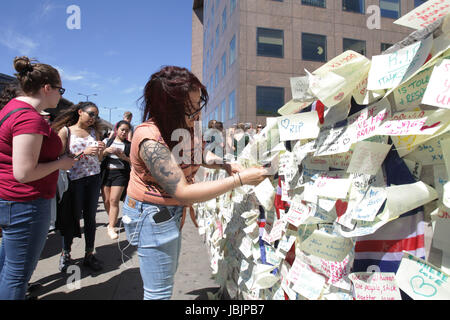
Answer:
[(159, 186)]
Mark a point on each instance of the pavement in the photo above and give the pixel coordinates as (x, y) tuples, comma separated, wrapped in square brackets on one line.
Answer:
[(120, 278)]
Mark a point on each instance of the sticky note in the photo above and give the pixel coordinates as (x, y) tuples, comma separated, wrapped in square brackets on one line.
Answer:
[(390, 70), (438, 90), (265, 192), (368, 157), (375, 286), (368, 208), (421, 280), (300, 89), (425, 14), (327, 246), (299, 126), (306, 282)]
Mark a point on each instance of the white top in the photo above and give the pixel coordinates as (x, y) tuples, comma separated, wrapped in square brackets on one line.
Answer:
[(87, 165), (116, 163)]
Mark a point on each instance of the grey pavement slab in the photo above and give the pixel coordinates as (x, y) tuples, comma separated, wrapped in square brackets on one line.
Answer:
[(120, 278)]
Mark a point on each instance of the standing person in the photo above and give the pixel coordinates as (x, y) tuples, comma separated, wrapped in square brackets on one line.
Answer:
[(29, 167), (127, 116), (159, 187), (240, 139), (80, 131), (259, 128), (115, 173)]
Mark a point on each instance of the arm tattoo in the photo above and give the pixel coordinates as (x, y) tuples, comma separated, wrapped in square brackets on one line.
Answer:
[(158, 160)]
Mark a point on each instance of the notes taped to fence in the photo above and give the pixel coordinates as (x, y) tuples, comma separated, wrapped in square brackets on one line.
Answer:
[(421, 280), (438, 90), (411, 92), (300, 89), (390, 70), (299, 126)]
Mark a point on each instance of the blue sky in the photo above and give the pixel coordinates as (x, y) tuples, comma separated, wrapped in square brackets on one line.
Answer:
[(120, 44)]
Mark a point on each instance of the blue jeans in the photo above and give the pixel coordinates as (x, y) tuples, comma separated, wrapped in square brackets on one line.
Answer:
[(159, 245), (25, 228), (86, 192)]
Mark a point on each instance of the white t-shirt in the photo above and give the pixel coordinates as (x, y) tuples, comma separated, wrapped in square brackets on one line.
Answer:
[(116, 163)]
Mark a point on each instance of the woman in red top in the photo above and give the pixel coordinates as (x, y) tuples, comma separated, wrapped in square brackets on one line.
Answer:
[(29, 166)]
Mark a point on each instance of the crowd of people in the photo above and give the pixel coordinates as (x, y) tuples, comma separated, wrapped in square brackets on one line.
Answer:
[(53, 172), (231, 141)]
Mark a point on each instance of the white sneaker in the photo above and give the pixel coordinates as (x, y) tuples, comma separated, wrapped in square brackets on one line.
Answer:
[(112, 233)]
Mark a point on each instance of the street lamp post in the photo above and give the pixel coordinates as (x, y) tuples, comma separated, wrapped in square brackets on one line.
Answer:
[(110, 108), (87, 95)]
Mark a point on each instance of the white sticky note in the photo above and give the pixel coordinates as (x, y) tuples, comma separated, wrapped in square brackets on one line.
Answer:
[(418, 193), (327, 246), (332, 185), (299, 126), (306, 282), (421, 280), (389, 70), (438, 89), (425, 14), (300, 89), (375, 286), (368, 157), (265, 192), (333, 140), (368, 208), (298, 212), (441, 230)]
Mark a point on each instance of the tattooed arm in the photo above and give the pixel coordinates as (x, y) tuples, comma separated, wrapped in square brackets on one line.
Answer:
[(163, 167)]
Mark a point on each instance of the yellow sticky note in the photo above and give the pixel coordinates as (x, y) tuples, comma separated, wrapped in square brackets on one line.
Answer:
[(327, 246), (368, 157)]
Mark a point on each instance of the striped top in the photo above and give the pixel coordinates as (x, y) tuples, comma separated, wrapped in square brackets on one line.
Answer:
[(143, 186)]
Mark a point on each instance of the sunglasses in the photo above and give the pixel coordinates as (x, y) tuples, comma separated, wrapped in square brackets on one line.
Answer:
[(92, 114), (195, 113), (61, 90)]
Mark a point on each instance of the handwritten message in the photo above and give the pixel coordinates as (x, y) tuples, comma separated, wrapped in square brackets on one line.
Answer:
[(332, 140), (327, 246), (367, 121), (425, 14), (368, 157), (306, 282), (331, 184), (375, 286), (411, 92), (438, 90), (421, 280), (368, 208), (300, 89), (430, 152), (390, 70), (299, 126)]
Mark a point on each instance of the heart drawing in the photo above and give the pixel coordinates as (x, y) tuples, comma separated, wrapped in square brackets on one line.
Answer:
[(285, 123), (421, 287), (341, 208)]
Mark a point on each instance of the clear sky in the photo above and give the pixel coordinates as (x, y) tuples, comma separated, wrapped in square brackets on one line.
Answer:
[(120, 44)]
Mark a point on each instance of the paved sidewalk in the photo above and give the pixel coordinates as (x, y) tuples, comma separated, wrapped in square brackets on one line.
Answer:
[(120, 279)]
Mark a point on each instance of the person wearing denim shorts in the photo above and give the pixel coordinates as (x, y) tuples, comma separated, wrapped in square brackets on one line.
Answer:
[(29, 167), (160, 184)]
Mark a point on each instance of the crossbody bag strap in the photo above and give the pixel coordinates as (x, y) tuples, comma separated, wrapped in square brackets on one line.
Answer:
[(11, 113), (68, 141)]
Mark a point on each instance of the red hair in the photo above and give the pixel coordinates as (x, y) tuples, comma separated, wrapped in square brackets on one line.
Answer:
[(166, 99)]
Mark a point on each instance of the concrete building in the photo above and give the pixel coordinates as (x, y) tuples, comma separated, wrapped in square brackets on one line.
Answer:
[(245, 51)]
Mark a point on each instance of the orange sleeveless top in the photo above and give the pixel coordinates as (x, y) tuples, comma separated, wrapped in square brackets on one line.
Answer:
[(142, 185)]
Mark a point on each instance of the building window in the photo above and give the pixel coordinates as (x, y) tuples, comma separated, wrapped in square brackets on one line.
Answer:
[(217, 36), (353, 6), (216, 77), (385, 46), (355, 45), (314, 3), (269, 100), (270, 42), (390, 8), (314, 47), (224, 19), (233, 50), (224, 110), (224, 65), (232, 6), (419, 3), (232, 105)]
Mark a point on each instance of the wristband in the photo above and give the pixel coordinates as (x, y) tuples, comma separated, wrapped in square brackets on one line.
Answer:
[(240, 179)]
